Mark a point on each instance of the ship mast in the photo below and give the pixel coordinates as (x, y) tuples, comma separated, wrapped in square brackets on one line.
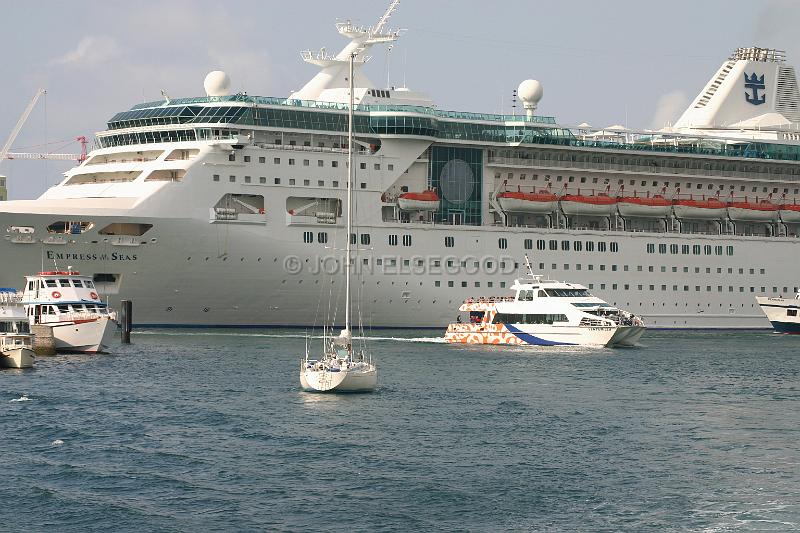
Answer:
[(349, 202)]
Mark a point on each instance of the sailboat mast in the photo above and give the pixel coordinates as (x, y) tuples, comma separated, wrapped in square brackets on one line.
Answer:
[(349, 199)]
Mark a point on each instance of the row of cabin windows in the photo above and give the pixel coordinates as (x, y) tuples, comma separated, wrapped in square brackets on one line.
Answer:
[(277, 181), (565, 245), (697, 288), (516, 318), (477, 284), (50, 283), (72, 308), (322, 238), (685, 249), (306, 162), (644, 183), (393, 240)]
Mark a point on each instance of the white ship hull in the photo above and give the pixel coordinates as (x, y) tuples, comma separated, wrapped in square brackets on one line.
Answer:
[(87, 337), (17, 358), (782, 313), (341, 381)]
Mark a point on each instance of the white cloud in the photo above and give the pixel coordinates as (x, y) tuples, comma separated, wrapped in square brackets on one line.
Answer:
[(669, 108), (91, 51)]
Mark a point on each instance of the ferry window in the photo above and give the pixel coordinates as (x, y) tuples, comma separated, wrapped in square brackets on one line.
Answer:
[(64, 283), (320, 183), (674, 269), (334, 164), (262, 159), (502, 243), (232, 157), (406, 240), (306, 162), (352, 238), (718, 250), (613, 268), (685, 249), (449, 283), (449, 242), (377, 166), (752, 271), (696, 249), (437, 283), (277, 181), (322, 237), (707, 249), (363, 185), (320, 163), (392, 240), (247, 159), (63, 308), (614, 247), (554, 245), (291, 161), (291, 181), (565, 246), (602, 267), (762, 271), (583, 179), (277, 161), (232, 179), (601, 247), (791, 312), (729, 250), (78, 283), (577, 246), (651, 248), (365, 238), (335, 184), (216, 177), (541, 244), (591, 267), (589, 246), (528, 244), (673, 248), (391, 167), (306, 182), (308, 237), (463, 283), (89, 285), (30, 285), (362, 166), (247, 179)]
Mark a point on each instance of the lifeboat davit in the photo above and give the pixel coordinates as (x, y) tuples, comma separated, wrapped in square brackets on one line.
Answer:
[(528, 202), (709, 209), (419, 201), (790, 212), (579, 204), (763, 211), (634, 206)]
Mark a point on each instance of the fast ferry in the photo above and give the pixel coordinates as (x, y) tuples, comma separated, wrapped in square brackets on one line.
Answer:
[(230, 203), (69, 303), (782, 313), (545, 312)]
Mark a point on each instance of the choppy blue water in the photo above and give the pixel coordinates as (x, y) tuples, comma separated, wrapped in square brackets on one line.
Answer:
[(191, 431)]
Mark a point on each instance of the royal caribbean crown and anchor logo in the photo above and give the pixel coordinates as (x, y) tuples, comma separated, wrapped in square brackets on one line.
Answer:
[(755, 84)]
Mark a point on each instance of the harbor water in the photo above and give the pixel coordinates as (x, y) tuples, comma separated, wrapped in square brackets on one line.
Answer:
[(208, 431)]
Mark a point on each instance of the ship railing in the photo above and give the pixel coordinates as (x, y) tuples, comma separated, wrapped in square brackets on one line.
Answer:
[(10, 298), (303, 148), (488, 299)]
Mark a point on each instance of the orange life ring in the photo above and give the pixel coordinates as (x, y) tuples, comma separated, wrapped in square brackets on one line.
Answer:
[(93, 295), (56, 295)]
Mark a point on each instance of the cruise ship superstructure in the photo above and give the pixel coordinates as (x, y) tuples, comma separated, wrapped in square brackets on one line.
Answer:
[(226, 209)]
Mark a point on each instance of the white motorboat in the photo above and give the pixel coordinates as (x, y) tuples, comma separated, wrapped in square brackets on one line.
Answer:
[(341, 367), (16, 341), (783, 313), (69, 303), (545, 312)]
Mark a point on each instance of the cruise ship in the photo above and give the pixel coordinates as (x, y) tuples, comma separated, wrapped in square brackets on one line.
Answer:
[(226, 209)]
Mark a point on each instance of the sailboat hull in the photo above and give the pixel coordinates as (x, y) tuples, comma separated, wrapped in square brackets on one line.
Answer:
[(342, 381)]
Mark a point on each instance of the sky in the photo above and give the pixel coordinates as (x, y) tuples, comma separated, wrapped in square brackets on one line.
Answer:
[(633, 62)]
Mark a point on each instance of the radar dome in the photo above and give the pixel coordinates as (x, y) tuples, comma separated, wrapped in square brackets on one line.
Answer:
[(530, 91), (217, 83)]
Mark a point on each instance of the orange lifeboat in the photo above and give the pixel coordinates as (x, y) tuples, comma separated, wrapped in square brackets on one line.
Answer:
[(528, 202), (760, 211), (419, 201), (708, 209), (580, 204), (790, 212), (651, 206)]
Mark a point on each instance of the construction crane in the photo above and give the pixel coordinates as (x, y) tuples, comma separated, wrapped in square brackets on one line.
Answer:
[(4, 151)]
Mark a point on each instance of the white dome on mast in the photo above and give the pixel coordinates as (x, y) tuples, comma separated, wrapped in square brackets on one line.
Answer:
[(530, 92), (217, 83)]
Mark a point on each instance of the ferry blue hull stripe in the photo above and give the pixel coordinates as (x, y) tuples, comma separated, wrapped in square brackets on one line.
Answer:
[(532, 339), (786, 327)]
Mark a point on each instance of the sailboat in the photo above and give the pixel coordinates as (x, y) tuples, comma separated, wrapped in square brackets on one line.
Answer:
[(341, 367)]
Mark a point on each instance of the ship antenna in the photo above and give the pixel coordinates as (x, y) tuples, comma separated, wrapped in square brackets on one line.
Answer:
[(385, 18)]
